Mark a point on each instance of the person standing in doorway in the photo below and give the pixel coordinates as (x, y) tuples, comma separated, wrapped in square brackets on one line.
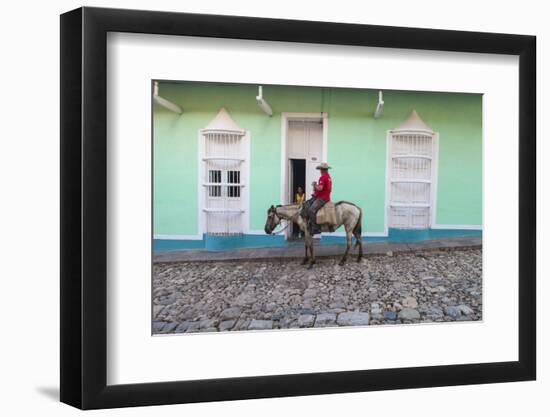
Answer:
[(321, 195), (300, 196)]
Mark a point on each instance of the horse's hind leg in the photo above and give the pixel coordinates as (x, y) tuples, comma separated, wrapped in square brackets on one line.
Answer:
[(359, 243), (348, 247), (309, 243)]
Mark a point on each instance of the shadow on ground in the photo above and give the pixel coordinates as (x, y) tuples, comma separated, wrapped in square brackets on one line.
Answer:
[(50, 392)]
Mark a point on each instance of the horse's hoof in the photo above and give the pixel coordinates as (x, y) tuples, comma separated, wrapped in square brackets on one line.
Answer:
[(359, 258), (304, 262), (342, 263), (310, 266)]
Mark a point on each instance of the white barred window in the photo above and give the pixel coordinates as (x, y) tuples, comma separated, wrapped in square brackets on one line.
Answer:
[(411, 174), (223, 161)]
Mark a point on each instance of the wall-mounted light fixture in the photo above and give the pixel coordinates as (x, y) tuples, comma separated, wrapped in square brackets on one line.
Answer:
[(163, 102), (379, 106), (262, 103)]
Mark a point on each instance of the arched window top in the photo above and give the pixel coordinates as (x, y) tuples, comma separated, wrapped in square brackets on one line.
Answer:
[(414, 124), (223, 124)]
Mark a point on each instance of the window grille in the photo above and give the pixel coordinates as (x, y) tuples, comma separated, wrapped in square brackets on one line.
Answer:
[(214, 177), (234, 177)]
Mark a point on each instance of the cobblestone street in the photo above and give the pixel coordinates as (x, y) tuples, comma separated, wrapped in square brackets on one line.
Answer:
[(430, 286)]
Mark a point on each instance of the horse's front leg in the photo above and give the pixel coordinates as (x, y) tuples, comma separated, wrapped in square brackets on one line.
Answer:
[(309, 243), (305, 257), (304, 231)]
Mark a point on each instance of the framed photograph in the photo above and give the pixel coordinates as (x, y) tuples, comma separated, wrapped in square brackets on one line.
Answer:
[(257, 208)]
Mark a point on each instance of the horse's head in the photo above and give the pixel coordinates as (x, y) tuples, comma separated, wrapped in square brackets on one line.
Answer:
[(272, 220)]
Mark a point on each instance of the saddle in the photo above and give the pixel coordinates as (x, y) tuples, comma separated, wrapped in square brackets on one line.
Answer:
[(326, 216)]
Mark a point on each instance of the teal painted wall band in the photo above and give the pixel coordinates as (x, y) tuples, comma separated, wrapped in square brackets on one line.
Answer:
[(221, 243)]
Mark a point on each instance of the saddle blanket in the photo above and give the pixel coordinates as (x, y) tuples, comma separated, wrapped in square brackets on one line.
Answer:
[(327, 214)]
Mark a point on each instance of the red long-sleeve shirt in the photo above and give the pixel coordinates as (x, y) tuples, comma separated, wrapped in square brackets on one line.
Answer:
[(326, 182)]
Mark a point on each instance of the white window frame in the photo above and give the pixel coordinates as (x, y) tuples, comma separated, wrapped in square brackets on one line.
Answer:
[(244, 180), (433, 180)]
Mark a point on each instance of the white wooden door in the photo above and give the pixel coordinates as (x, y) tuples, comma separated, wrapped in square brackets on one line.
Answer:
[(411, 180), (305, 141)]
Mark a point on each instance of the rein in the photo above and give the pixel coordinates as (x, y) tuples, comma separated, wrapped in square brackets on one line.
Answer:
[(292, 219), (282, 230)]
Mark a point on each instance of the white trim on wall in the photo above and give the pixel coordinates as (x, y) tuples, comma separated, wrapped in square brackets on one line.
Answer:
[(245, 191), (364, 234), (256, 232), (435, 175), (387, 184), (178, 237), (458, 226), (201, 215), (282, 169), (324, 116)]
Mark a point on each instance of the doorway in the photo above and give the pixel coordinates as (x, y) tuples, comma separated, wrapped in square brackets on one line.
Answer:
[(297, 180), (304, 147)]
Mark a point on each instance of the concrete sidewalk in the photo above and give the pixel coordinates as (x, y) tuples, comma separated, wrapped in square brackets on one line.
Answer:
[(321, 250)]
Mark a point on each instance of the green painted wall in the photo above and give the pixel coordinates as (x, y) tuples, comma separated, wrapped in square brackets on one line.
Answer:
[(356, 148)]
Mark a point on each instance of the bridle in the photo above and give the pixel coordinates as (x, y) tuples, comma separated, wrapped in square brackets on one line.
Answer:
[(288, 222)]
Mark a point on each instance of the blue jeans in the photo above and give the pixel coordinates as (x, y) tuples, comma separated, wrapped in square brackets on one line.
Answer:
[(314, 206)]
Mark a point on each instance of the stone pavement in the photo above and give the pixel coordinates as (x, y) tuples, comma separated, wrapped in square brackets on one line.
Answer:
[(296, 250), (441, 284)]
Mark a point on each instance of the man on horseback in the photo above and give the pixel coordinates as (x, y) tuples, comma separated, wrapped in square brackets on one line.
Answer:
[(345, 214), (321, 196)]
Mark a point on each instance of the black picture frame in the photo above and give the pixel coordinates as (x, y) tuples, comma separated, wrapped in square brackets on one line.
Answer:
[(84, 207)]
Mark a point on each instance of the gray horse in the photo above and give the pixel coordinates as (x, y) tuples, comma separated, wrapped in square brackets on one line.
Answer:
[(347, 214)]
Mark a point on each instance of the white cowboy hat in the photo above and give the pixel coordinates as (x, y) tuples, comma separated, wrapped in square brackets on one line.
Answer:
[(323, 165)]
